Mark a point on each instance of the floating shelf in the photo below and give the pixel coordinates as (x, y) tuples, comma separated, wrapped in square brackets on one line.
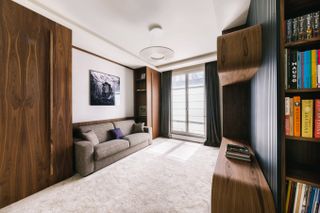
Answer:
[(302, 90), (303, 42), (304, 176), (141, 90), (140, 80), (303, 139)]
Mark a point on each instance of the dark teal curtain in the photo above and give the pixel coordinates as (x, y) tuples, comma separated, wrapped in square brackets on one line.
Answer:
[(165, 103), (213, 105)]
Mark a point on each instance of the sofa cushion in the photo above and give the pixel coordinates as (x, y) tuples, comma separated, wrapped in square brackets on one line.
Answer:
[(125, 126), (101, 130), (109, 148), (137, 128), (91, 136), (137, 138), (116, 133)]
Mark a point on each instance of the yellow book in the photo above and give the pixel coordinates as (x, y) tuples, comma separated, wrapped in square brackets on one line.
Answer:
[(288, 195), (307, 118), (314, 80)]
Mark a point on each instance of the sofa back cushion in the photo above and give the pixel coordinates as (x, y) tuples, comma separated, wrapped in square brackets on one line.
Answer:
[(102, 130), (91, 136), (125, 126)]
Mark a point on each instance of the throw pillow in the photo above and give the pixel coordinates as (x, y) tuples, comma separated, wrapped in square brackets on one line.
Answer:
[(138, 127), (117, 133), (91, 136)]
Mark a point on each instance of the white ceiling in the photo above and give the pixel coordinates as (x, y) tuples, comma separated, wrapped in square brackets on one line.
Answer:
[(190, 27)]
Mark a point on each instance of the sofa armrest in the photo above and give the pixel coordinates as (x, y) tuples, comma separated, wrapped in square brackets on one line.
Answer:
[(148, 129), (84, 157)]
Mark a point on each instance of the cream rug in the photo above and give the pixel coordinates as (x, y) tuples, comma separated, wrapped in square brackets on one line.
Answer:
[(168, 176)]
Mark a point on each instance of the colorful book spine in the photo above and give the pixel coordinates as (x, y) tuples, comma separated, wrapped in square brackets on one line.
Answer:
[(302, 69), (307, 118), (293, 69), (287, 116), (307, 70), (296, 116), (291, 117), (314, 77), (299, 74), (288, 195), (289, 30), (317, 119), (318, 67)]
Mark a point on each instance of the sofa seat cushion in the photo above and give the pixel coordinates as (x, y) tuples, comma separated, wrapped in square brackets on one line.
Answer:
[(137, 138), (109, 148)]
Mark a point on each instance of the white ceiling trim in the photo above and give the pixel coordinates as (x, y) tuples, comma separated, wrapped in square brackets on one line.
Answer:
[(188, 62), (73, 23)]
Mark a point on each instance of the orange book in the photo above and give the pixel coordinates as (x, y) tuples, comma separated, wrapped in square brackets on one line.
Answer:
[(296, 116)]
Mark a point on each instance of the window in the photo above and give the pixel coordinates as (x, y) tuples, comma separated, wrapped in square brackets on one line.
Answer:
[(188, 114)]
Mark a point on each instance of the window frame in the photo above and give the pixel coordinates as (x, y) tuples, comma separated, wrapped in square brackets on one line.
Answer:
[(186, 73)]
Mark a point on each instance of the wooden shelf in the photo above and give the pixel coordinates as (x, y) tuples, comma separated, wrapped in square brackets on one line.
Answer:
[(302, 90), (303, 139), (141, 90), (304, 176), (140, 80), (302, 43)]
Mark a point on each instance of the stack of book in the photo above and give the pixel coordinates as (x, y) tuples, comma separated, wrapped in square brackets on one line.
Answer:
[(303, 27), (302, 198), (302, 117), (238, 152), (302, 70)]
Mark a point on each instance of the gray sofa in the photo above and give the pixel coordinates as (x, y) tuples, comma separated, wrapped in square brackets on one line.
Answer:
[(90, 158)]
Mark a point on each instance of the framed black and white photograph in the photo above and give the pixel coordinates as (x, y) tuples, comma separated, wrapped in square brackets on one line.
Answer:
[(104, 89)]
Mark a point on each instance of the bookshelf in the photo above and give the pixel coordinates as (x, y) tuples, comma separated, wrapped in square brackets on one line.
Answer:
[(300, 157), (147, 98)]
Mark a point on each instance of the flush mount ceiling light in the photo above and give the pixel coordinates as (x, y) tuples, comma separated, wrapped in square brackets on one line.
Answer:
[(156, 53)]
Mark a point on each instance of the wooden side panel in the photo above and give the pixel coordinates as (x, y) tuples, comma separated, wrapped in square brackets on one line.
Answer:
[(239, 186), (239, 55), (62, 146), (155, 104), (236, 111), (24, 143), (149, 96)]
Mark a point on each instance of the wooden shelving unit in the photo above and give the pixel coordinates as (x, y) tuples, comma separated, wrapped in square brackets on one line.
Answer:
[(292, 138), (147, 98), (300, 157)]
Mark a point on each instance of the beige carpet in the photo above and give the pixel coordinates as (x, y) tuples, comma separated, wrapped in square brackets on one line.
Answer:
[(168, 176)]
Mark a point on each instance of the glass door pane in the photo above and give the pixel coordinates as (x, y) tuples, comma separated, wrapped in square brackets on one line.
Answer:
[(196, 103), (178, 112)]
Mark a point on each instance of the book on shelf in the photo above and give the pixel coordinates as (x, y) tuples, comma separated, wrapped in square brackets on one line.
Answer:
[(287, 116), (302, 27), (291, 117), (302, 70), (302, 197), (317, 119), (238, 152), (318, 67), (296, 116), (307, 119)]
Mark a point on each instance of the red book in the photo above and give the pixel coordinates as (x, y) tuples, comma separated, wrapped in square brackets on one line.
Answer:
[(317, 119), (287, 115)]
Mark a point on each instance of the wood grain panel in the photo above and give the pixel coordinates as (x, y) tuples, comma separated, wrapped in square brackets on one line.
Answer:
[(30, 141), (24, 146), (239, 186), (239, 55), (237, 111), (149, 95), (155, 104), (62, 147)]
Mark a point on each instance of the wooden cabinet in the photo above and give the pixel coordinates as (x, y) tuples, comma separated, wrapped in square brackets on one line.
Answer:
[(147, 98), (35, 106)]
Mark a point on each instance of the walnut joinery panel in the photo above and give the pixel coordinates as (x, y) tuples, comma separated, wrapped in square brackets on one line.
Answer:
[(155, 104), (26, 150), (239, 186), (239, 55), (62, 146)]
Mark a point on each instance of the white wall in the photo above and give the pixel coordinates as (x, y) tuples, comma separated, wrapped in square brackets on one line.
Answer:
[(81, 109)]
